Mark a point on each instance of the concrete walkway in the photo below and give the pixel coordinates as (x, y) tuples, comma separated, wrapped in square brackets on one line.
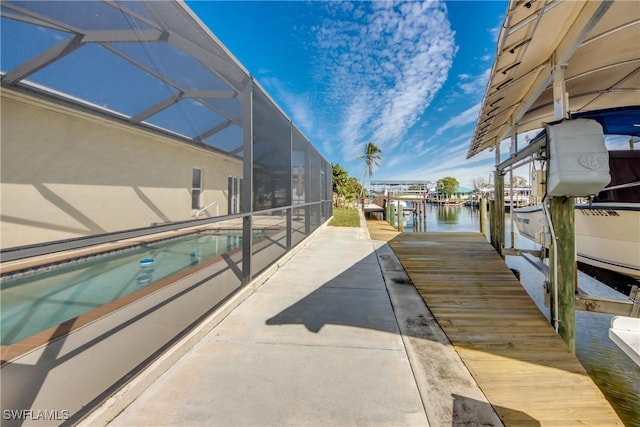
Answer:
[(337, 336)]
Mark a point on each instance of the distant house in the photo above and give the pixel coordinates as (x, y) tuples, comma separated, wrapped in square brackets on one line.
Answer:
[(463, 193)]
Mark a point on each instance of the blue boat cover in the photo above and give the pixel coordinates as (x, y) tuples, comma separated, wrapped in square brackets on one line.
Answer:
[(615, 121)]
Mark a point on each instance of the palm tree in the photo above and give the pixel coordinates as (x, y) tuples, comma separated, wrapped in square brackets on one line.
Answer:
[(371, 159)]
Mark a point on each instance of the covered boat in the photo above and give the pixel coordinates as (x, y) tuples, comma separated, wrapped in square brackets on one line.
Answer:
[(608, 228)]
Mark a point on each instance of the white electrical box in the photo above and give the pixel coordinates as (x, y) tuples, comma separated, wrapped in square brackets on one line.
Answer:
[(578, 158), (538, 183)]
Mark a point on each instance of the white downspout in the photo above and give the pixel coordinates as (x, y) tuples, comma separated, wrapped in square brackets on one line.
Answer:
[(555, 264)]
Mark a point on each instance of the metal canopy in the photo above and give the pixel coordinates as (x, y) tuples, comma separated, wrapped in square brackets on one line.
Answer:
[(598, 43), (150, 63)]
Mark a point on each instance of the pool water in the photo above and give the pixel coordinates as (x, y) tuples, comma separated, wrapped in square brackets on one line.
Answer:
[(33, 304)]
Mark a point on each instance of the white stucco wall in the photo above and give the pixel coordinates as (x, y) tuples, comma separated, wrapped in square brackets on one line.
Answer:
[(66, 173)]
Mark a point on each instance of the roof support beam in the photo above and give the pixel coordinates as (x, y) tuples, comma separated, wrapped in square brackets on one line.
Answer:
[(37, 63), (216, 129), (589, 16), (219, 66), (125, 36), (11, 10), (157, 108), (560, 95), (615, 88), (216, 94), (537, 146)]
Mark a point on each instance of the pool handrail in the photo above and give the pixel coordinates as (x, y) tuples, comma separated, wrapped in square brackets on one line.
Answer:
[(215, 202)]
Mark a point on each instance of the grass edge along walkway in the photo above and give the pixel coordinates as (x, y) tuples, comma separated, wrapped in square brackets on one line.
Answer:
[(524, 368), (345, 218)]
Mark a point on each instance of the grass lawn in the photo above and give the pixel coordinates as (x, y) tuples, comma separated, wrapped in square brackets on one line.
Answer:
[(345, 218)]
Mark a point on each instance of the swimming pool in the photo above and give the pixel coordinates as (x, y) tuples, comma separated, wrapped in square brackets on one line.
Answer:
[(35, 303)]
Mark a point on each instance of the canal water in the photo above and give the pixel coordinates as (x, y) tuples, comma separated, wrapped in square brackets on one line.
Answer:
[(611, 369)]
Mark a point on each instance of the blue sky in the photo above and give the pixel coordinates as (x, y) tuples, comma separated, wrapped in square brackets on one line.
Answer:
[(407, 76)]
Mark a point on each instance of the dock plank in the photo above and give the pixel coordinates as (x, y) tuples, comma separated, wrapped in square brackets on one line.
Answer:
[(522, 365)]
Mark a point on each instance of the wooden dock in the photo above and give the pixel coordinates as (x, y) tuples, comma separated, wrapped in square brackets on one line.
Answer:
[(524, 368)]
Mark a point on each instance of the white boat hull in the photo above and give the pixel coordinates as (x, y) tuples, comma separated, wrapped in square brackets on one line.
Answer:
[(607, 234), (530, 222)]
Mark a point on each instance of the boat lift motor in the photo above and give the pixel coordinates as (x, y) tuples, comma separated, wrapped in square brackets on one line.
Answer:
[(578, 158)]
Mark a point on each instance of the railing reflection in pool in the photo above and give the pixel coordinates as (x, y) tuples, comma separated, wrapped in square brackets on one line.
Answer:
[(37, 299)]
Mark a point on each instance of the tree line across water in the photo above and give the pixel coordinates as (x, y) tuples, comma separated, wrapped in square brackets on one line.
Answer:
[(347, 189)]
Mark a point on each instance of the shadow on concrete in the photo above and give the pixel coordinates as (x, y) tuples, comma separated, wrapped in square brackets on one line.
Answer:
[(465, 411), (356, 297)]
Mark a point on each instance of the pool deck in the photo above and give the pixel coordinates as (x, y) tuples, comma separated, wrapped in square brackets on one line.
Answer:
[(340, 335)]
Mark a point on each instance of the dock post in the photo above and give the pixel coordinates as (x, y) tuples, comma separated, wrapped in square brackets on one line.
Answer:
[(512, 204), (499, 211), (393, 215), (424, 212), (492, 223), (549, 288), (384, 209), (563, 219), (400, 217), (483, 216)]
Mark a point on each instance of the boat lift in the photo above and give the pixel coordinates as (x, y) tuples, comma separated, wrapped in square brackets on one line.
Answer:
[(553, 60)]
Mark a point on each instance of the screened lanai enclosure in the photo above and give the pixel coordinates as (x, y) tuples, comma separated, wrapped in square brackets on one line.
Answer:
[(146, 178)]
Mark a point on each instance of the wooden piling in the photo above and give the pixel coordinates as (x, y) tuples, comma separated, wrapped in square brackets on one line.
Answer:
[(492, 223), (400, 217), (499, 211), (483, 216), (421, 212), (387, 212), (563, 219), (393, 215), (551, 293), (512, 203)]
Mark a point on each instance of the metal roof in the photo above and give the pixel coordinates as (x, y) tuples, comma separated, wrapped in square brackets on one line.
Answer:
[(597, 40), (152, 64), (401, 182)]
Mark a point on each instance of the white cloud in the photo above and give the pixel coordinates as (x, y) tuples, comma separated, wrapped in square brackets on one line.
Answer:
[(474, 85), (495, 31), (454, 165), (384, 62), (441, 160), (465, 118)]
